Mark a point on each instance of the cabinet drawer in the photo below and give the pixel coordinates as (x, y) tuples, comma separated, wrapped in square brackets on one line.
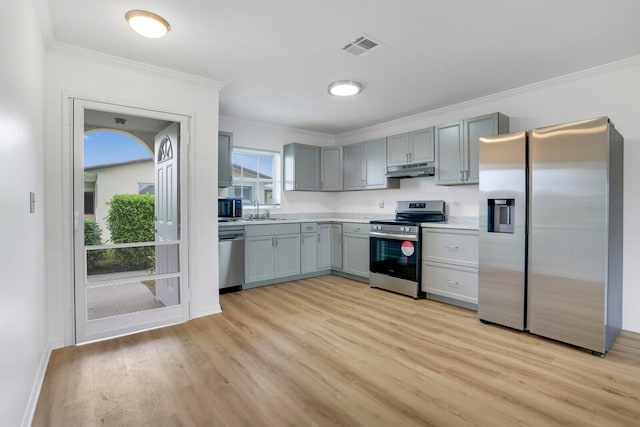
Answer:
[(308, 227), (458, 283), (354, 228), (458, 247)]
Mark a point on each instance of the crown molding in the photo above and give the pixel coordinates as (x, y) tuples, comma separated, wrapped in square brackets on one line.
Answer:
[(544, 84), (41, 8), (279, 127), (73, 51)]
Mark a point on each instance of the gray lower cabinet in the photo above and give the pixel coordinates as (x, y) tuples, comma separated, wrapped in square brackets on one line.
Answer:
[(331, 169), (259, 258), (287, 255), (365, 166), (301, 167), (355, 249), (271, 251), (324, 246), (336, 246), (309, 247), (225, 147), (457, 147), (450, 265)]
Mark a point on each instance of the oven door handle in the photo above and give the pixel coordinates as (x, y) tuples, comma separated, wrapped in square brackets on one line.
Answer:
[(393, 236)]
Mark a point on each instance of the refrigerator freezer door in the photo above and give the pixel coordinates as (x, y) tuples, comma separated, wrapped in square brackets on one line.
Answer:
[(568, 232), (503, 184)]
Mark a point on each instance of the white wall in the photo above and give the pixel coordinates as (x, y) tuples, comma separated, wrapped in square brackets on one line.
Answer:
[(23, 335), (612, 91), (251, 134), (119, 180), (89, 75)]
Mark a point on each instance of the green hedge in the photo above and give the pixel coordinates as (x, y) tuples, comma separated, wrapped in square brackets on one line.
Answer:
[(130, 220), (92, 237)]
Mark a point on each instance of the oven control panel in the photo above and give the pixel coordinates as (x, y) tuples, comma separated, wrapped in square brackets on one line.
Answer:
[(397, 228)]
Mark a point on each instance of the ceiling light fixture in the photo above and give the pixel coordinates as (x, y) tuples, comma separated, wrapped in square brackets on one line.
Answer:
[(345, 88), (147, 24)]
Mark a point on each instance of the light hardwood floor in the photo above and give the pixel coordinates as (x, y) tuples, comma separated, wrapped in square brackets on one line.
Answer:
[(331, 351)]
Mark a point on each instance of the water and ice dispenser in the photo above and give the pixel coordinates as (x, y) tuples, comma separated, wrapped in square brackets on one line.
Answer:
[(501, 213)]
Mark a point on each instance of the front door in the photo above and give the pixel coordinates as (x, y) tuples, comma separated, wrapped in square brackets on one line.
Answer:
[(167, 220), (130, 254)]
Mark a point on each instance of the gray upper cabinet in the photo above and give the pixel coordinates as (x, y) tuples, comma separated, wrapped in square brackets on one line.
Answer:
[(365, 166), (375, 163), (457, 147), (449, 154), (331, 169), (301, 167), (398, 150), (422, 145), (353, 167), (474, 129), (225, 170), (410, 148)]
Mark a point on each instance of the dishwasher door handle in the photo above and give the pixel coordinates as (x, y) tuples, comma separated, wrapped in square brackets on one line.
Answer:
[(230, 239)]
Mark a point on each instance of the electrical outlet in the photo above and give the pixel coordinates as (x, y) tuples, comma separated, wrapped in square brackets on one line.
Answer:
[(381, 204)]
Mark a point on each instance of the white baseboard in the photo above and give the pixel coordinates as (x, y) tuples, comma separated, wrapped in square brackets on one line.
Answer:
[(205, 311), (30, 410)]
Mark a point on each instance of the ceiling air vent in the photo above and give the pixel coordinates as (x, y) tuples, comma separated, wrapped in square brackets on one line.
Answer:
[(361, 45)]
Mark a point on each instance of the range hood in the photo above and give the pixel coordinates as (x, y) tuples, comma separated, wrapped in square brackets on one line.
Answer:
[(411, 171)]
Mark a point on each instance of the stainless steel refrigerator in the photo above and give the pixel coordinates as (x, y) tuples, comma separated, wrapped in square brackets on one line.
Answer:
[(551, 204)]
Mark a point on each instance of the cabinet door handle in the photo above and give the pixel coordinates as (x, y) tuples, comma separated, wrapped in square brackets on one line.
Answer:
[(466, 175), (461, 175), (410, 157), (452, 282)]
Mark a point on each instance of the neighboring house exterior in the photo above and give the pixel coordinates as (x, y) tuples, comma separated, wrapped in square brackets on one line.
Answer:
[(101, 182), (251, 185)]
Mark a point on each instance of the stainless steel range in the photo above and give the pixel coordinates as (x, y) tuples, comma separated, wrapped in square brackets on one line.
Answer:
[(395, 246)]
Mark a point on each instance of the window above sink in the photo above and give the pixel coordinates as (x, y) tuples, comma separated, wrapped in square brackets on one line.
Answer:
[(256, 176)]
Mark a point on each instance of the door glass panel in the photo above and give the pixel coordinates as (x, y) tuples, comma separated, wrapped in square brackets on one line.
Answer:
[(120, 263), (135, 296)]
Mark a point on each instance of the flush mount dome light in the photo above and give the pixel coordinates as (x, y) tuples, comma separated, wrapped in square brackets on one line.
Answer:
[(147, 24), (345, 88)]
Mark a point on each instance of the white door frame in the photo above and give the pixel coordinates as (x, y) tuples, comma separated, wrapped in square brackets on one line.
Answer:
[(85, 330)]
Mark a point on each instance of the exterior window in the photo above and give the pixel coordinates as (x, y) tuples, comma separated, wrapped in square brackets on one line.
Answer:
[(146, 188), (89, 202), (256, 175)]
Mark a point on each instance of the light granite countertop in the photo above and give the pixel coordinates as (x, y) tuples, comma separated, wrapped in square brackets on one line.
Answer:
[(455, 222), (463, 223)]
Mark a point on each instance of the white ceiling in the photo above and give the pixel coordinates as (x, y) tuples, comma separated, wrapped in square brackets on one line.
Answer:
[(277, 57)]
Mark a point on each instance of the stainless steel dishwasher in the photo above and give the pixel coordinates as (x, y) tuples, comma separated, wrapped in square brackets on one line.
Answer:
[(231, 258)]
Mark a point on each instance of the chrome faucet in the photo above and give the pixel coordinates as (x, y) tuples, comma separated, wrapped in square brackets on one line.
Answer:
[(256, 203)]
